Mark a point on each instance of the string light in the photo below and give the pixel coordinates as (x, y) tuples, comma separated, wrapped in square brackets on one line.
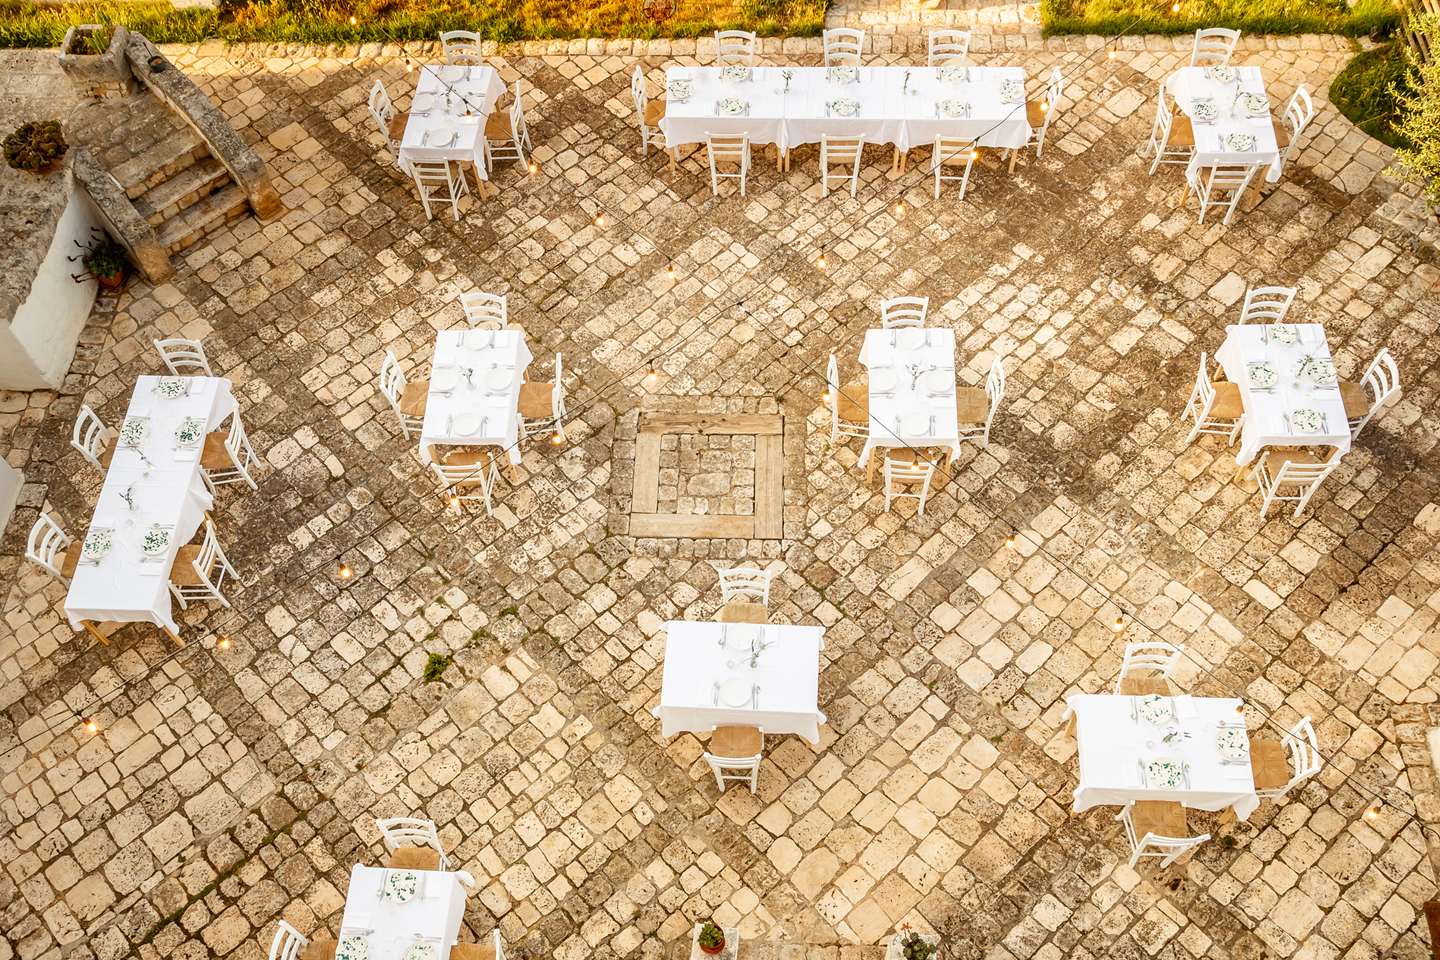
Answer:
[(557, 438), (1112, 53), (600, 220), (224, 643), (975, 154), (672, 277), (822, 258), (352, 21), (651, 375), (454, 499), (409, 67), (92, 726), (900, 207), (1010, 540), (345, 572), (1374, 812), (1175, 8), (533, 168), (1044, 105), (1120, 622)]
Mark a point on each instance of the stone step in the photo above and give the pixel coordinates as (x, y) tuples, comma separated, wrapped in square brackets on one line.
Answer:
[(166, 200), (153, 166), (209, 214), (115, 130)]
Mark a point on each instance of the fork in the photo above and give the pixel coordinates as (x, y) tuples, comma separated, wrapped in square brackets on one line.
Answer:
[(1186, 771)]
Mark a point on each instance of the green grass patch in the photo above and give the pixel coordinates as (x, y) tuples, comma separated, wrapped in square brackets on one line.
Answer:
[(1112, 17), (435, 666), (26, 24), (1363, 92)]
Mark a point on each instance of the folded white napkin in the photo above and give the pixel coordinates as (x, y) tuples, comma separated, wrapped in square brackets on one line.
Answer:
[(864, 74), (675, 74), (187, 454), (1130, 773), (1185, 707), (758, 73), (198, 386), (1277, 424), (1238, 771), (706, 693), (151, 569), (107, 523), (140, 411)]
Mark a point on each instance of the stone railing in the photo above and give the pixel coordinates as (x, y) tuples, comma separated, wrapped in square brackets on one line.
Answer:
[(122, 220), (180, 94)]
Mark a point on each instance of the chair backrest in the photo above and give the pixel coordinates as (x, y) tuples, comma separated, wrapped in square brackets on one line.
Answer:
[(1149, 655), (89, 436), (430, 175), (1054, 89), (1165, 117), (1303, 750), (728, 148), (1304, 474), (381, 109), (392, 379), (1383, 378), (832, 388), (456, 478), (1203, 387), (995, 385), (235, 443), (903, 312), (179, 352), (210, 546), (638, 92), (1234, 177), (841, 150), (1266, 304), (949, 46), (398, 830), (842, 45), (483, 307), (734, 46), (461, 46), (1213, 47), (1298, 114), (557, 395), (517, 114), (954, 150), (47, 541), (901, 471), (745, 582), (289, 943)]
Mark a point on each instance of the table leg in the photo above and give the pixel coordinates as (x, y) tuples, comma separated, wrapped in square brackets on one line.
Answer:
[(1227, 815), (169, 633), (95, 633), (1255, 193), (514, 475), (1014, 155)]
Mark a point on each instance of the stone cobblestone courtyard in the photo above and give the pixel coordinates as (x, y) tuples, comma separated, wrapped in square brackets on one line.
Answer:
[(226, 788)]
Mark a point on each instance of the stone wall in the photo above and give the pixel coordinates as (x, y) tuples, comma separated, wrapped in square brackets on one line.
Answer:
[(122, 221)]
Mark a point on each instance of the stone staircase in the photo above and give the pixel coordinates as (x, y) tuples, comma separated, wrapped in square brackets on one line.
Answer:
[(163, 166)]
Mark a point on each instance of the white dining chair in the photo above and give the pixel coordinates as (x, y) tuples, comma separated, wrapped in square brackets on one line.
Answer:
[(468, 474), (1216, 406), (439, 180), (53, 548), (953, 151), (949, 47), (734, 47), (1038, 115), (840, 150), (1268, 760), (93, 439), (728, 150), (542, 405), (414, 844), (1382, 377), (1172, 137), (461, 47), (226, 456), (1266, 304), (388, 121), (736, 748), (506, 135), (650, 113), (1292, 123), (898, 472), (485, 308), (406, 399), (1232, 179), (903, 312), (975, 408), (183, 358), (842, 46), (1157, 828), (849, 406), (1213, 47), (745, 582), (1154, 655), (1295, 472), (291, 944), (474, 951), (200, 569)]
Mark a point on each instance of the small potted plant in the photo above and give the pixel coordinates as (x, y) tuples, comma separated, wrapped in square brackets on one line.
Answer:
[(909, 945), (93, 57), (38, 146), (104, 260), (711, 938)]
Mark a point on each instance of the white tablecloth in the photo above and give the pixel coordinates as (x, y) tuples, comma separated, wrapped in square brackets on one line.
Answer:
[(482, 87), (435, 913), (1265, 423), (787, 672), (122, 587), (1190, 82), (882, 350), (1111, 743), (886, 114), (499, 410)]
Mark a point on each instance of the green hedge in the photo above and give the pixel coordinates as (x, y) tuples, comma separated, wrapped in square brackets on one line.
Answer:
[(1362, 92), (1112, 17)]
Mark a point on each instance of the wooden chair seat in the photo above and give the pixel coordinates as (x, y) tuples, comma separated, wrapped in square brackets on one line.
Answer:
[(396, 128), (107, 453), (535, 400), (498, 126), (1182, 133), (471, 951), (1144, 687), (735, 742), (214, 456), (654, 112), (412, 399), (972, 405), (72, 559), (476, 457), (320, 950), (1033, 114), (183, 572), (415, 858), (1276, 459), (741, 611), (1164, 818), (1357, 403), (1282, 136), (1227, 405), (853, 403), (1267, 763)]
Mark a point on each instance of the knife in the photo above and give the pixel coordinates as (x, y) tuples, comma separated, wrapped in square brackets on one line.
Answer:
[(715, 694), (1144, 780), (1186, 770)]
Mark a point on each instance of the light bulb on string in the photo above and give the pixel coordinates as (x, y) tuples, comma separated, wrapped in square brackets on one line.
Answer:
[(821, 263), (352, 21), (600, 220), (651, 376), (672, 271), (1120, 622), (1044, 105), (533, 168), (558, 438), (1374, 812), (1175, 8), (92, 726), (1112, 53), (1010, 540), (974, 154), (345, 572), (900, 207), (409, 67), (223, 643)]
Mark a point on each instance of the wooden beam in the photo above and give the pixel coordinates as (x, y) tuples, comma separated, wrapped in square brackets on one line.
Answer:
[(769, 487), (743, 424), (645, 496), (698, 527)]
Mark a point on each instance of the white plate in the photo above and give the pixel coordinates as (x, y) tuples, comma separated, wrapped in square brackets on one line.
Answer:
[(740, 635), (940, 381), (882, 381), (353, 948), (452, 73), (155, 542), (438, 138), (915, 424), (422, 102), (420, 951), (735, 692), (444, 379), (911, 338), (477, 339), (465, 424), (498, 379)]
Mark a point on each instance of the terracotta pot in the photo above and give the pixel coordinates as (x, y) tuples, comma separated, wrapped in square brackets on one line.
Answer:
[(114, 282), (712, 951)]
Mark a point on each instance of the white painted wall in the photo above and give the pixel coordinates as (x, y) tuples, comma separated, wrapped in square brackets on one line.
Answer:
[(36, 349), (10, 482)]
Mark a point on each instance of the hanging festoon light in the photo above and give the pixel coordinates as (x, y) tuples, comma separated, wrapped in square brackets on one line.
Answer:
[(557, 438), (533, 167), (223, 643), (821, 262), (1120, 622), (672, 270), (1374, 812), (345, 572), (92, 726), (1010, 539), (600, 220)]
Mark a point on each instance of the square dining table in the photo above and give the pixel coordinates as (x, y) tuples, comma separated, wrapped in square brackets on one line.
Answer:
[(1190, 85), (447, 97), (475, 372), (390, 928), (1115, 744), (912, 389), (784, 684)]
